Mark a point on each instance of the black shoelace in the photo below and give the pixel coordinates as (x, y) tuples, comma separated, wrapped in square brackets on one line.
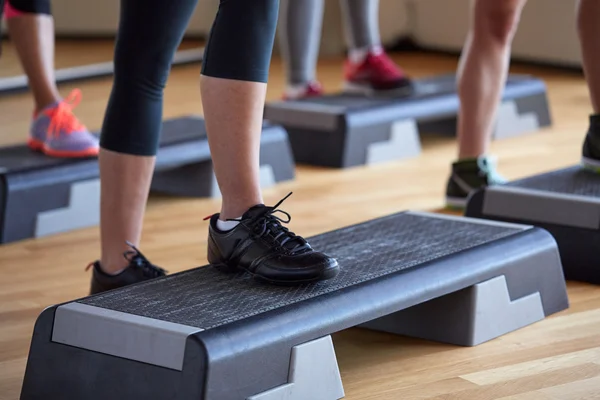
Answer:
[(138, 260), (269, 224)]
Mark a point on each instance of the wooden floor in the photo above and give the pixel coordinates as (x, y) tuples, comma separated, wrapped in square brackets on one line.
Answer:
[(558, 358)]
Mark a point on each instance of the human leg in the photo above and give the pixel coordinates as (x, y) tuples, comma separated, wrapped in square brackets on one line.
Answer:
[(246, 234), (482, 73), (368, 68), (588, 15), (299, 37), (54, 130)]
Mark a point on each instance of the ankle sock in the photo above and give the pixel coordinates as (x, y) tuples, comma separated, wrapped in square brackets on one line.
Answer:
[(357, 56), (227, 225)]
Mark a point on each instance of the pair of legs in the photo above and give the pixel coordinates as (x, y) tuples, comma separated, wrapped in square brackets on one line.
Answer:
[(367, 67), (245, 233), (482, 74), (54, 129)]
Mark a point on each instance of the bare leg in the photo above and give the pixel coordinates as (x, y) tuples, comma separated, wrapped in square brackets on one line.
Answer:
[(482, 71), (588, 15), (125, 182), (235, 144), (33, 35)]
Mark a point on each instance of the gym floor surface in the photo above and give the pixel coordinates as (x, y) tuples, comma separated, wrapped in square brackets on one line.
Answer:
[(557, 358)]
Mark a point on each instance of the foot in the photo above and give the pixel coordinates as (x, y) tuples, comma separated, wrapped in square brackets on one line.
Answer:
[(469, 175), (303, 91), (590, 157), (260, 245), (376, 72), (56, 131), (138, 270)]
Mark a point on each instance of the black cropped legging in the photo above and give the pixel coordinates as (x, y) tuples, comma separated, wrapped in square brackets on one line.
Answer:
[(239, 47)]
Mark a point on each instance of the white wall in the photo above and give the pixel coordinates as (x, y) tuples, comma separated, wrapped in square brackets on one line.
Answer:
[(546, 33), (101, 17)]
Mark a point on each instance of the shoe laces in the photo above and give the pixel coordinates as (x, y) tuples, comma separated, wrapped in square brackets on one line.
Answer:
[(138, 260), (487, 168), (62, 119), (270, 225)]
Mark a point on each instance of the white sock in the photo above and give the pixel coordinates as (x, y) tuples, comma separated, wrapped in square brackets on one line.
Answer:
[(227, 225), (295, 91), (358, 55)]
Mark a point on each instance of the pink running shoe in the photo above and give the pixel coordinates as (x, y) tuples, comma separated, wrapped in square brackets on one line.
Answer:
[(377, 72), (56, 132), (312, 89)]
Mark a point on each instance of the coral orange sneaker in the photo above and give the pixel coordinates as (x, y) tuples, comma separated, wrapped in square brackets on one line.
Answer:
[(376, 72), (56, 132)]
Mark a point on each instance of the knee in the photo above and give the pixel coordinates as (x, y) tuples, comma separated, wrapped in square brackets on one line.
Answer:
[(241, 40), (497, 20)]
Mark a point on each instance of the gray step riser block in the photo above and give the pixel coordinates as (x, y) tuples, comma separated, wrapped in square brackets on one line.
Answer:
[(517, 117), (466, 318), (361, 145)]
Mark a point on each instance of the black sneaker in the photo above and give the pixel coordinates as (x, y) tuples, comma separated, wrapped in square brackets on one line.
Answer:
[(138, 270), (467, 176), (260, 245), (590, 157)]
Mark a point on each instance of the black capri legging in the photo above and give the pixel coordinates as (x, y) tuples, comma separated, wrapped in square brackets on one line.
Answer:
[(239, 47)]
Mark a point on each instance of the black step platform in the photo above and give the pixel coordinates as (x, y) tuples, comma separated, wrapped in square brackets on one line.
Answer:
[(346, 130), (202, 334), (565, 202), (40, 195)]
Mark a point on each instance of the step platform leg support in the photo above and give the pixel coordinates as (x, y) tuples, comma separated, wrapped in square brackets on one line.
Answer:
[(313, 372), (483, 311)]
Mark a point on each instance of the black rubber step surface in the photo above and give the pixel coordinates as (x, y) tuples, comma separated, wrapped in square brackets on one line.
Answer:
[(206, 298), (573, 180)]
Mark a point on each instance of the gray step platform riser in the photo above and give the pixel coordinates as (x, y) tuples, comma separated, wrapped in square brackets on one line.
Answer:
[(344, 141), (68, 197), (239, 356), (578, 247)]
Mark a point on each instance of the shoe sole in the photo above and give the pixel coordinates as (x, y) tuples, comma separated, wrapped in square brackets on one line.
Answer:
[(36, 145), (325, 275), (590, 164)]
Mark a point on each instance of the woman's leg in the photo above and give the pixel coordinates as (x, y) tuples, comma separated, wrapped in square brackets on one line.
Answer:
[(368, 67), (149, 33), (55, 130), (299, 37), (482, 73), (233, 83), (588, 15), (246, 235)]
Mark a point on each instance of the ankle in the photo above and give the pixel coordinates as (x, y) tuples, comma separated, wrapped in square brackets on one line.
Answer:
[(234, 210), (113, 267), (42, 104)]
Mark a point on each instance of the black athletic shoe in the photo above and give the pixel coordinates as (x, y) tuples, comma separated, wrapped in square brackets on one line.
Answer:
[(590, 157), (138, 270), (467, 176), (260, 245)]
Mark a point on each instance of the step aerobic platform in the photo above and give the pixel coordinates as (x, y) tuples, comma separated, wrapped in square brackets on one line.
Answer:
[(565, 202), (205, 335), (346, 130), (40, 195)]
